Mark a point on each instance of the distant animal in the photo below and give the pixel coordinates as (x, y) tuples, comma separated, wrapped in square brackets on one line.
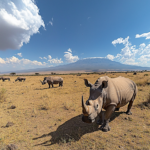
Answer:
[(134, 73), (109, 94), (52, 80), (20, 79), (4, 78)]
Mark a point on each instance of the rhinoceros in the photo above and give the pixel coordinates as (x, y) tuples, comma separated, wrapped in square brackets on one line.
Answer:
[(109, 94), (20, 79), (52, 80), (4, 78)]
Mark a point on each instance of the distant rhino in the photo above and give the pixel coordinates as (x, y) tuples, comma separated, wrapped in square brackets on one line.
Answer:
[(20, 79), (109, 94), (4, 78), (52, 80)]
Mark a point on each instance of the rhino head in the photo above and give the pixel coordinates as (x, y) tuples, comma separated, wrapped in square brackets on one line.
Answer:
[(44, 81), (93, 105)]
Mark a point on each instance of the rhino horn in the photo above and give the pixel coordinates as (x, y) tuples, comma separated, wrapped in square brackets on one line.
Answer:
[(85, 108), (41, 81)]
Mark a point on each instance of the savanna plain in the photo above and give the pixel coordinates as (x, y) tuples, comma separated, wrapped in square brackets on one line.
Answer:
[(51, 118)]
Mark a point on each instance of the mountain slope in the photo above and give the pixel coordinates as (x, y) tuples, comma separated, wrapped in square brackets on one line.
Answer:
[(90, 64)]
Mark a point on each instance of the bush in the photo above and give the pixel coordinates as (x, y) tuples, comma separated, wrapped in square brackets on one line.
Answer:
[(36, 73), (142, 82), (2, 95), (13, 73), (145, 74), (145, 104)]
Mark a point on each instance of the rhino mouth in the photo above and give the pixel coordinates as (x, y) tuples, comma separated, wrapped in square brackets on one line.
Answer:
[(87, 120)]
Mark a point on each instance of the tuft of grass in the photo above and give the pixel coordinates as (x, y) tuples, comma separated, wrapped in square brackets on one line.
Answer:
[(43, 107), (145, 104), (2, 95), (145, 74), (142, 82)]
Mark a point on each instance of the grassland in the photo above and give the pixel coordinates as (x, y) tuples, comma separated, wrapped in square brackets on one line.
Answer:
[(46, 119)]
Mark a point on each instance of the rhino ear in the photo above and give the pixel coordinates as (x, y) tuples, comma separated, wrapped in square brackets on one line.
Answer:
[(104, 84), (87, 83)]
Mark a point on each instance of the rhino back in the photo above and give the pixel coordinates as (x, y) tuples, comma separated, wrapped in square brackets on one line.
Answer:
[(55, 80), (120, 91)]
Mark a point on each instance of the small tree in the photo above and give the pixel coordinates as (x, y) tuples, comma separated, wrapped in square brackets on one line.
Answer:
[(13, 73), (36, 73)]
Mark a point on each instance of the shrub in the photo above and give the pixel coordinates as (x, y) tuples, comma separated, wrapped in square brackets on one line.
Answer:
[(2, 95), (145, 74), (145, 104), (141, 82), (13, 73), (36, 73)]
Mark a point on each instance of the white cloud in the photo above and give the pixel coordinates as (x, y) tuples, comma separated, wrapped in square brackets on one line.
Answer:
[(14, 60), (147, 35), (54, 60), (2, 61), (19, 54), (40, 57), (18, 21), (120, 40), (49, 57), (44, 58), (69, 57), (132, 55), (51, 22), (111, 57)]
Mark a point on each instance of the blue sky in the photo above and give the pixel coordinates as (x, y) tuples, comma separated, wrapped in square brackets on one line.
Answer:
[(44, 33)]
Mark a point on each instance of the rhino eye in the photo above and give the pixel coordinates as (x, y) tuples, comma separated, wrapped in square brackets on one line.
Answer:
[(97, 105)]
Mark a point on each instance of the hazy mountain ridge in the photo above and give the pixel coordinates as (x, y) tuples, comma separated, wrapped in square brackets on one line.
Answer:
[(94, 64)]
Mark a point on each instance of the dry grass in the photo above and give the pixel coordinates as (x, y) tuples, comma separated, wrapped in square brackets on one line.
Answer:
[(3, 95), (46, 119)]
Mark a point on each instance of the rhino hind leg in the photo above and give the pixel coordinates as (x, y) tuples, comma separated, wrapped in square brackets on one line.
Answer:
[(105, 126), (128, 112)]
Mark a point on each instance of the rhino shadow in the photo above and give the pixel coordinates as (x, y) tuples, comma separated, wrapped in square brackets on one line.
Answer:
[(71, 130), (45, 88)]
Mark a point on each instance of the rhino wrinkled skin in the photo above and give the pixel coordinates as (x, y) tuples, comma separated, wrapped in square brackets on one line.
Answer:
[(109, 94), (53, 80)]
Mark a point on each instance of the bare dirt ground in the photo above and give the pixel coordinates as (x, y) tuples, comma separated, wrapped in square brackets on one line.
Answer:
[(46, 119)]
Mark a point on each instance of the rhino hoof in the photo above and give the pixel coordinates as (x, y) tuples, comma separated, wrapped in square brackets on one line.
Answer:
[(105, 129), (129, 113)]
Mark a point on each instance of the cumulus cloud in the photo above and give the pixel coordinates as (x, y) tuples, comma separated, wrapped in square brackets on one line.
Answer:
[(19, 54), (111, 57), (54, 60), (15, 60), (132, 54), (69, 57), (18, 21), (147, 35), (121, 40)]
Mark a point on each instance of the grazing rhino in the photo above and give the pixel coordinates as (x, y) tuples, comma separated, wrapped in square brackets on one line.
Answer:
[(52, 80), (20, 79), (109, 94), (4, 78)]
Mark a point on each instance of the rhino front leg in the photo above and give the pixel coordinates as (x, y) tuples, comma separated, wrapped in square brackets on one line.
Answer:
[(128, 112), (100, 121), (49, 85), (105, 126)]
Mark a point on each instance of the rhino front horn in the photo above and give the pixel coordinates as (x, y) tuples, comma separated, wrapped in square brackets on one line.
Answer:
[(85, 108), (41, 81)]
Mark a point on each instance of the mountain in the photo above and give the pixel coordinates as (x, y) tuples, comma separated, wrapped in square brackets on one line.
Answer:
[(89, 64)]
